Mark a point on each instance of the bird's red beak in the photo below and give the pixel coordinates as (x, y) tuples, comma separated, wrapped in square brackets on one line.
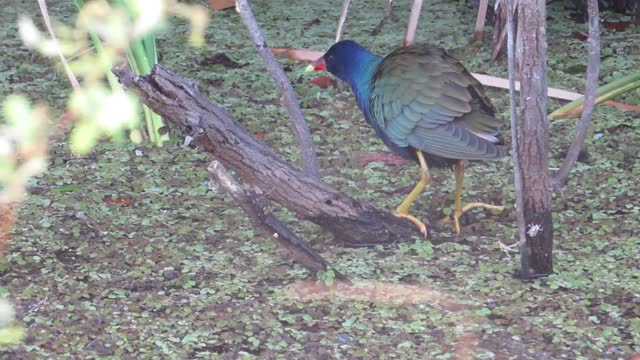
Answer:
[(317, 65)]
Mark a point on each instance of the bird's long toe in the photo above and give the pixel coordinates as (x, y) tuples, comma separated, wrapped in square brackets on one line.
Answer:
[(458, 214), (421, 226)]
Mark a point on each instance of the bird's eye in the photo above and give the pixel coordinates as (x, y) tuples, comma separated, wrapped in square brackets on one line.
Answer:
[(330, 58)]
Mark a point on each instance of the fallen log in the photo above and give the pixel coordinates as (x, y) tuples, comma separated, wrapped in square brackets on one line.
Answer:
[(214, 130)]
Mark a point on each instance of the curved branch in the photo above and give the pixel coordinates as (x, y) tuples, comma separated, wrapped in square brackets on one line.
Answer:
[(593, 71)]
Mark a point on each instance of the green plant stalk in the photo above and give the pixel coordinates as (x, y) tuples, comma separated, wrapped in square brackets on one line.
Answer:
[(148, 114), (144, 64), (149, 44), (105, 61), (103, 58), (151, 120), (102, 55), (604, 93), (142, 56), (619, 91), (141, 66)]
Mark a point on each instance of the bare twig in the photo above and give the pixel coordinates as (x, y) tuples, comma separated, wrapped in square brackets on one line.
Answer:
[(498, 46), (410, 35), (256, 207), (387, 14), (593, 70), (296, 117), (517, 170), (480, 20), (45, 14), (343, 18)]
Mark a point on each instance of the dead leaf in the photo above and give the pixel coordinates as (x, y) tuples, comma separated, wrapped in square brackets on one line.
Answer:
[(297, 54), (616, 26), (579, 35), (323, 82), (122, 200)]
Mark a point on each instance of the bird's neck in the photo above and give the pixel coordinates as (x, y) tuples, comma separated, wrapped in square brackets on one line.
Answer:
[(361, 82)]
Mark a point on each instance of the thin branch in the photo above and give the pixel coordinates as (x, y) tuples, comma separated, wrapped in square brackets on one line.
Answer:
[(593, 71), (387, 14), (498, 46), (296, 117), (410, 35), (72, 77), (480, 20), (517, 170), (343, 18), (256, 207)]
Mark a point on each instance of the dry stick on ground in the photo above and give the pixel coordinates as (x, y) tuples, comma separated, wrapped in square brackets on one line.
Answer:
[(343, 18), (214, 130), (298, 123), (593, 70), (410, 35), (517, 169), (387, 14), (256, 206)]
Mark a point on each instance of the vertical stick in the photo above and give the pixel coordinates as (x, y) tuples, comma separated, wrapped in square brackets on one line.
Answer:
[(387, 14), (296, 117), (410, 35), (482, 16), (343, 18), (517, 170), (70, 75)]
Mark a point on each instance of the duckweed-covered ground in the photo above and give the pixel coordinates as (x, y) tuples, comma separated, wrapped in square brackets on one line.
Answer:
[(117, 255)]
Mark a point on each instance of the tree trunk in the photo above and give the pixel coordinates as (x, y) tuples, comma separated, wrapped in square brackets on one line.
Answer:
[(533, 139), (178, 101)]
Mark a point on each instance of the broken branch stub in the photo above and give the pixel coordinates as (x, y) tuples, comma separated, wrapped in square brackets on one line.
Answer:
[(216, 131), (257, 207)]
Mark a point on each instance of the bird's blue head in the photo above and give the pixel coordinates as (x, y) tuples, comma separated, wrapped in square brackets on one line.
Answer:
[(350, 62)]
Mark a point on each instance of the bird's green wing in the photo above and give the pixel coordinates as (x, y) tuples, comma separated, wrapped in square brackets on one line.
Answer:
[(423, 98)]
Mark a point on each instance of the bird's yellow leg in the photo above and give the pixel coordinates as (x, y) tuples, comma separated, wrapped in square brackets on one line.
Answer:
[(458, 171), (403, 209)]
